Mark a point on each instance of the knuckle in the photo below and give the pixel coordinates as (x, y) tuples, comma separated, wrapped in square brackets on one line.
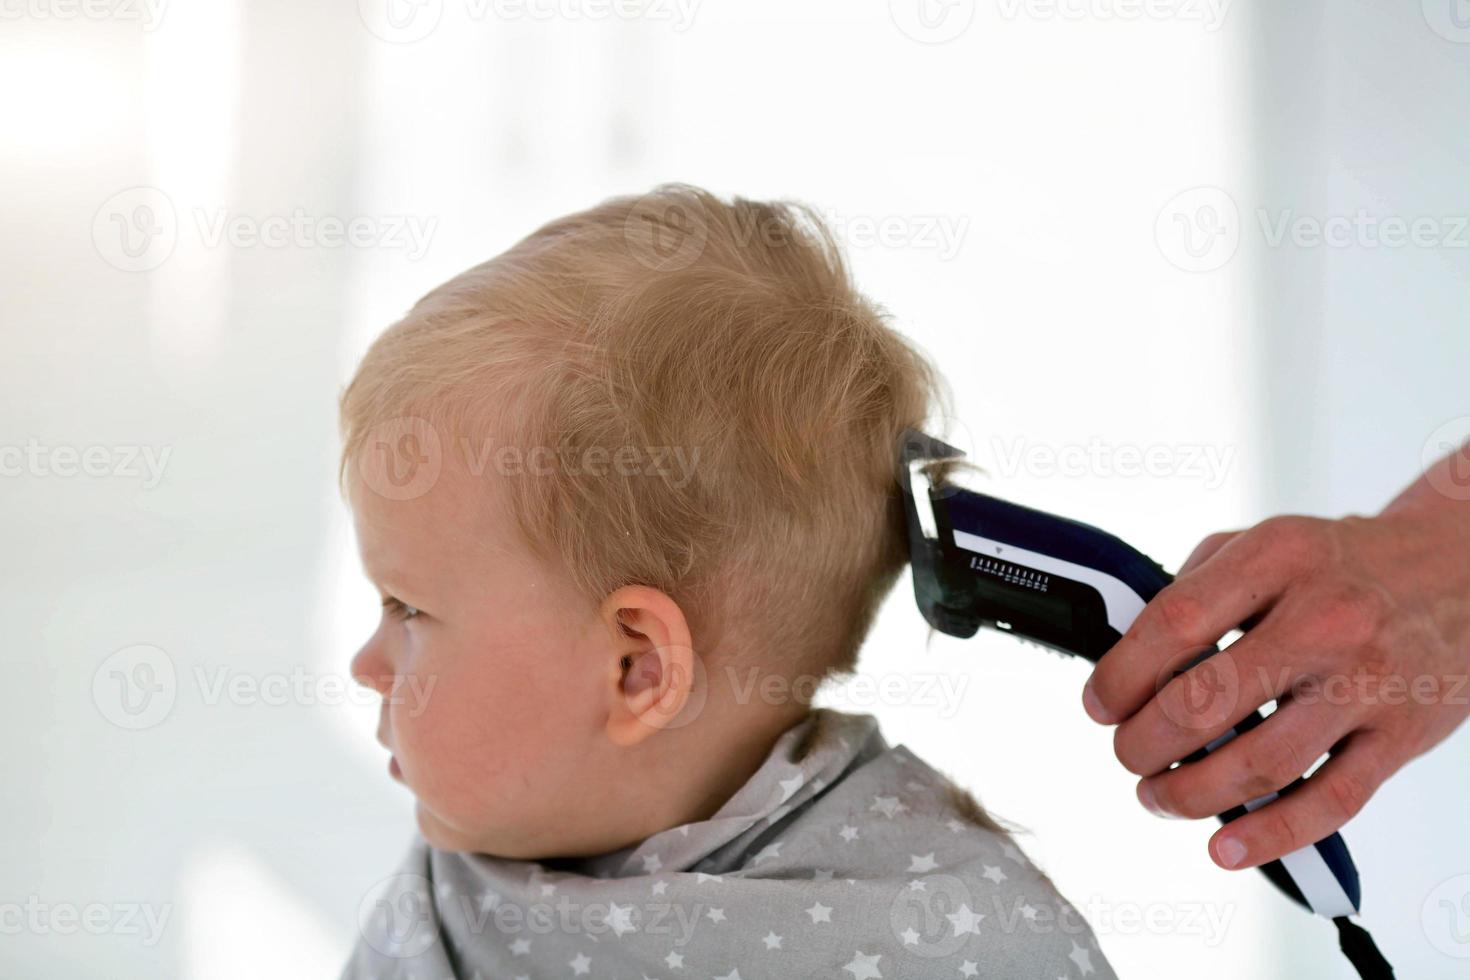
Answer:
[(1350, 612), (1185, 805), (1271, 765), (1348, 794), (1292, 538), (1181, 614), (1129, 757), (1278, 827)]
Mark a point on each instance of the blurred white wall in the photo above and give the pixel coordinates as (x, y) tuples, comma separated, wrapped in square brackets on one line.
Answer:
[(1048, 182)]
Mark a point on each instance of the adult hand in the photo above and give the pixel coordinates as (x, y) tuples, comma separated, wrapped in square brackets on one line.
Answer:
[(1359, 628)]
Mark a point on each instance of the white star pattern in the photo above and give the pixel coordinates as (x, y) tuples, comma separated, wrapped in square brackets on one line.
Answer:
[(1081, 957), (965, 920), (771, 850), (889, 806), (620, 919), (864, 967), (732, 858)]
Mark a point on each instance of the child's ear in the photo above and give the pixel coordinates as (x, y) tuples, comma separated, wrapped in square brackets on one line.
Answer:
[(652, 666)]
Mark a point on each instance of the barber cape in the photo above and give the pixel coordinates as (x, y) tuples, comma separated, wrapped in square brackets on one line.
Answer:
[(841, 857)]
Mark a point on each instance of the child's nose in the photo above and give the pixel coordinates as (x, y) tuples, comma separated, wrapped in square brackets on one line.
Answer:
[(371, 669)]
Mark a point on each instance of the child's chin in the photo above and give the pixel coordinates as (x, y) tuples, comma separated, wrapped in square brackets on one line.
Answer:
[(439, 834)]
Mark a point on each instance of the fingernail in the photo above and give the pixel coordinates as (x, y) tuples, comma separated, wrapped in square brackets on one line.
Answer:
[(1230, 851), (1094, 707), (1149, 800)]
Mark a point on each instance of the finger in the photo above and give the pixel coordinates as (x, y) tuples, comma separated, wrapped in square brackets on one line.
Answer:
[(1330, 798), (1244, 577), (1205, 550), (1263, 760), (1206, 701)]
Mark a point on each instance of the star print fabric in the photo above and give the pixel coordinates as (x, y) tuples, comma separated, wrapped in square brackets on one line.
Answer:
[(841, 857)]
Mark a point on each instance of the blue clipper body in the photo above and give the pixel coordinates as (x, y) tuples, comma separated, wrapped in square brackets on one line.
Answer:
[(978, 560)]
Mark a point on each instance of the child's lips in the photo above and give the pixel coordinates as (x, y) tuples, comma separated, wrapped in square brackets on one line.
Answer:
[(393, 769)]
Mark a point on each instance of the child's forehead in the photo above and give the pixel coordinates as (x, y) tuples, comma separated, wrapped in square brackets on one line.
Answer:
[(453, 522)]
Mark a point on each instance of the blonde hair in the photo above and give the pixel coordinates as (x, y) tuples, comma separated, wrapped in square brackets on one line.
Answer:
[(728, 330)]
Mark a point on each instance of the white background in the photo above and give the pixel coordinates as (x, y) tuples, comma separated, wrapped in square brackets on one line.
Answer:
[(1052, 141)]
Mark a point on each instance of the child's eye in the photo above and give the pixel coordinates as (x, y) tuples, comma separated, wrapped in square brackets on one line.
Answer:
[(399, 609)]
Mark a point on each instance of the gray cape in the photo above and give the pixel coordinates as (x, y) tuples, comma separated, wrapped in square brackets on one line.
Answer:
[(841, 857)]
